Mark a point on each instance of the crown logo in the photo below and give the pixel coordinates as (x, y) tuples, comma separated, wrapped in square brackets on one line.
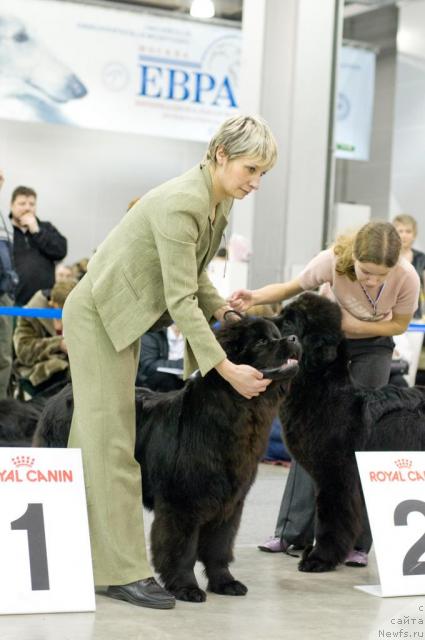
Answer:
[(403, 463), (23, 461)]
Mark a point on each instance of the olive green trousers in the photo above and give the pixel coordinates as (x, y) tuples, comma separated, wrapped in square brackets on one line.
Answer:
[(103, 426)]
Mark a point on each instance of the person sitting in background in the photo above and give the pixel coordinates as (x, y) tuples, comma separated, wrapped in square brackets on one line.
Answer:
[(39, 345), (79, 269), (36, 246), (163, 349), (63, 273), (407, 229), (132, 202), (8, 282), (402, 357)]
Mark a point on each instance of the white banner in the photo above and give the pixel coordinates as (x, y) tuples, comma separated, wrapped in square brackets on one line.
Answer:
[(102, 68), (354, 112)]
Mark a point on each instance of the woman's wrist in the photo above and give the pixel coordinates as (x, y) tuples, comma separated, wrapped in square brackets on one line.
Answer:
[(255, 297), (225, 368)]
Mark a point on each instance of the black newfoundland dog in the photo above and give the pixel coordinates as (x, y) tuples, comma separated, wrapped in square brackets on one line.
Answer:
[(327, 418), (199, 448)]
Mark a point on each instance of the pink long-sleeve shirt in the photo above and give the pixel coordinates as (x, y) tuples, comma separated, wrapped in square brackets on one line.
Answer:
[(399, 295)]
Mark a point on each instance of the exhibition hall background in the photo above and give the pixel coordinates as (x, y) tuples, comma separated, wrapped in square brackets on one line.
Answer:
[(86, 176)]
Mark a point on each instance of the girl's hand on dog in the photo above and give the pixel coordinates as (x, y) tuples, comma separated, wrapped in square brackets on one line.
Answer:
[(242, 300), (246, 380), (350, 324)]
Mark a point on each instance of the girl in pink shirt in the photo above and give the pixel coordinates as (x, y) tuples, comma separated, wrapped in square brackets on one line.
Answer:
[(378, 295), (364, 274)]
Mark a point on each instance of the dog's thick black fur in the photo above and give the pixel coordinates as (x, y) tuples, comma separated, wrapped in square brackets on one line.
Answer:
[(199, 448), (326, 418)]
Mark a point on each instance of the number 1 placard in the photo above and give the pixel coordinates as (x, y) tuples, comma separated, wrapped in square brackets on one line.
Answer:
[(45, 554), (394, 489)]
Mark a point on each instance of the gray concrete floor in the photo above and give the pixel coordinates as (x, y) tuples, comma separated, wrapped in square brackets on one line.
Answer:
[(282, 603)]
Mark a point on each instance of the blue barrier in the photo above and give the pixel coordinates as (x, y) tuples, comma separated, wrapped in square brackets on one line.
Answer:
[(415, 326), (57, 313), (31, 312)]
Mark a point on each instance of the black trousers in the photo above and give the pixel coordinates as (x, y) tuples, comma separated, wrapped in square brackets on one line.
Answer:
[(370, 364)]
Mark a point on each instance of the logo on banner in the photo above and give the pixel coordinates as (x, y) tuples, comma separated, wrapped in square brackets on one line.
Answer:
[(210, 82), (21, 470), (343, 106), (402, 473)]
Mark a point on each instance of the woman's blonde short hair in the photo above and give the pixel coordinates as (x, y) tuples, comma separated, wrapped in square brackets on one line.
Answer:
[(376, 242), (244, 136), (408, 221)]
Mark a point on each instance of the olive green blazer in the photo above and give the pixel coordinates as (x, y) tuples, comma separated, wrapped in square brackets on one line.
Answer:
[(155, 261)]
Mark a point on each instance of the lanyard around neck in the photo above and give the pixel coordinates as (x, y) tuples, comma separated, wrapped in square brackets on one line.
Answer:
[(373, 303)]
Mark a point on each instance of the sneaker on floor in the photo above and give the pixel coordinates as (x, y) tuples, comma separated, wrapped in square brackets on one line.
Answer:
[(273, 545), (356, 558)]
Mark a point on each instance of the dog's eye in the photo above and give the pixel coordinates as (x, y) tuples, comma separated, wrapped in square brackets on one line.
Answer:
[(20, 37)]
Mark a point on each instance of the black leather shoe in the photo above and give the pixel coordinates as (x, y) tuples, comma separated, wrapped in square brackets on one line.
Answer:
[(144, 593)]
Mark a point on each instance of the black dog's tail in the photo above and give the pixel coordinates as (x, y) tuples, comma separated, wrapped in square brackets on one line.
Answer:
[(55, 421), (380, 402)]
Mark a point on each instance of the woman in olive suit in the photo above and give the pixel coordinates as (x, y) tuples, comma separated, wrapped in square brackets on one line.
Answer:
[(149, 269)]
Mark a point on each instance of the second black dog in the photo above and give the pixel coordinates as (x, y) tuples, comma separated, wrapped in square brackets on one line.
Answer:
[(326, 418)]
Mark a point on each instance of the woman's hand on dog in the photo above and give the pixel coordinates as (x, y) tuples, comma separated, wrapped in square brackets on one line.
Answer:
[(246, 380)]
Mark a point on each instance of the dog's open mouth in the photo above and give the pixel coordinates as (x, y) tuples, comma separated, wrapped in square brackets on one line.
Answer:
[(288, 369)]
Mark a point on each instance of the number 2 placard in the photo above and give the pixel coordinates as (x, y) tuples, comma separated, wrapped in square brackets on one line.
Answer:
[(44, 539), (394, 489)]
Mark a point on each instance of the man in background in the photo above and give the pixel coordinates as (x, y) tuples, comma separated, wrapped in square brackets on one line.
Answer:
[(37, 246)]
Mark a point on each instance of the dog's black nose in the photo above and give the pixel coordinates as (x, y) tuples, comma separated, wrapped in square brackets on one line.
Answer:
[(292, 339)]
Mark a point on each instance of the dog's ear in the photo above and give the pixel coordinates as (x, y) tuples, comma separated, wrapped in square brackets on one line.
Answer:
[(231, 334), (278, 321), (318, 352)]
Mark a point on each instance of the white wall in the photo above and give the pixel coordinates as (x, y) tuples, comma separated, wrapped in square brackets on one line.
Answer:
[(292, 91), (84, 179), (408, 168)]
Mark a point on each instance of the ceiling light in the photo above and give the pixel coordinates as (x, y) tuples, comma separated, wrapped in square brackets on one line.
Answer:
[(202, 9)]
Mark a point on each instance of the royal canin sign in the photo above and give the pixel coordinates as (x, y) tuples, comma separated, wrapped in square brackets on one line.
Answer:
[(22, 470), (402, 473)]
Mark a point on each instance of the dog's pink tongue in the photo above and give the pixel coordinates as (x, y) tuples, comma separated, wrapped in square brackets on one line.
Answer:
[(289, 363)]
